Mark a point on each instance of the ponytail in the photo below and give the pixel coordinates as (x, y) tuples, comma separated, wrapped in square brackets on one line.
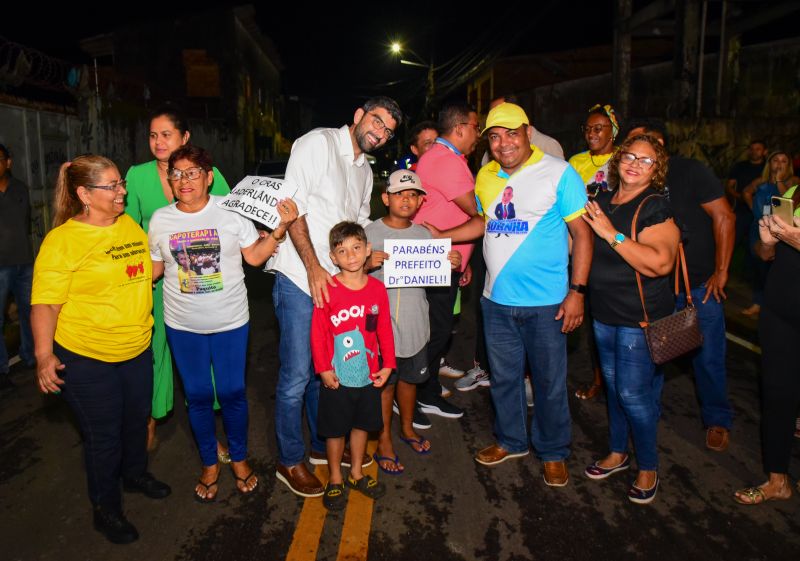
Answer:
[(83, 170)]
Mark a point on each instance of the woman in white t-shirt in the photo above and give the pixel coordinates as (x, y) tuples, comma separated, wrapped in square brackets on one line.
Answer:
[(205, 307)]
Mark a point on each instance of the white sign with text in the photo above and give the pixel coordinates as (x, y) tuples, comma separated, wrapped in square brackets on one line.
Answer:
[(416, 263), (257, 198)]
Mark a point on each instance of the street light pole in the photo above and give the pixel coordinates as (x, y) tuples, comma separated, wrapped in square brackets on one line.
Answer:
[(430, 90)]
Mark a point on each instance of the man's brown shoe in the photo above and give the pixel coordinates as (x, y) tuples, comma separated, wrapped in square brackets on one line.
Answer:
[(301, 481), (556, 474), (493, 455), (717, 439), (320, 459)]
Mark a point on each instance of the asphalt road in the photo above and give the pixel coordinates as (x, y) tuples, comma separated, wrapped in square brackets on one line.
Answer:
[(445, 506)]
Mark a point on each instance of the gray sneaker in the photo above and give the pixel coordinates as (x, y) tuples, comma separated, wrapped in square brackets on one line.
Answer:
[(475, 377)]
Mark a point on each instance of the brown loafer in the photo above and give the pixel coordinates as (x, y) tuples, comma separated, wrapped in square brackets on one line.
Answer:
[(717, 439), (301, 481), (494, 454), (556, 474), (321, 459)]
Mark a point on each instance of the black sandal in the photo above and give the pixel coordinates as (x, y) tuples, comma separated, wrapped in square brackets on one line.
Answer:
[(245, 491), (367, 486), (208, 487)]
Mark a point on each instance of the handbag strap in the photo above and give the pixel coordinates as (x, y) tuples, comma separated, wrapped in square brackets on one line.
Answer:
[(680, 264)]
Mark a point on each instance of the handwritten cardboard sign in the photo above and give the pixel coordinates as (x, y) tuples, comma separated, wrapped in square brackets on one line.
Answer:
[(416, 263), (257, 198)]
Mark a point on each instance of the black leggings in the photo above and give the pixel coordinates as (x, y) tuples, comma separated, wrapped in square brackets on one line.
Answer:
[(780, 388)]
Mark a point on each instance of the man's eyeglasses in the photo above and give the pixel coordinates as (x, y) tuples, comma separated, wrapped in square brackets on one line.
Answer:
[(476, 126), (110, 187), (190, 173), (644, 161), (596, 129), (379, 125)]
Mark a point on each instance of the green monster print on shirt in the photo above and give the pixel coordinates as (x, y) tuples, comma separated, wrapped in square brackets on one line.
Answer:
[(350, 359)]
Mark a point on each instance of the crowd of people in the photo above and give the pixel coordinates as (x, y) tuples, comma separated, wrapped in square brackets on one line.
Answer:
[(145, 272)]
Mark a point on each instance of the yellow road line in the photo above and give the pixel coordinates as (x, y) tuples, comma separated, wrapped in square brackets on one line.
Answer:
[(308, 531), (743, 342), (356, 528), (358, 519)]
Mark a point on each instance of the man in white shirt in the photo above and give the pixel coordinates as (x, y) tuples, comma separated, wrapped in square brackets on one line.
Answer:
[(334, 183)]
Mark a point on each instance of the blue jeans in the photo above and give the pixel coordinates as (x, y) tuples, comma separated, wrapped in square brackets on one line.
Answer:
[(512, 334), (111, 401), (297, 382), (633, 391), (17, 279), (194, 353), (709, 360)]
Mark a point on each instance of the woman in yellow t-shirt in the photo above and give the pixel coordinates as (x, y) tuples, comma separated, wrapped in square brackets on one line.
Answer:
[(91, 319), (599, 130)]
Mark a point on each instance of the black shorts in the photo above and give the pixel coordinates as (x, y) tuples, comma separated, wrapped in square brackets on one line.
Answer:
[(413, 369), (345, 408)]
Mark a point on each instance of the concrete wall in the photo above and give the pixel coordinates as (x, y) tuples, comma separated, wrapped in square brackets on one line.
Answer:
[(40, 141)]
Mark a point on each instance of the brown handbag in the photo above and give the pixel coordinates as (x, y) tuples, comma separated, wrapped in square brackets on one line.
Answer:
[(679, 333)]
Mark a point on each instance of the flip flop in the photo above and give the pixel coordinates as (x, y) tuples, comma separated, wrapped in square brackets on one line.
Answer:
[(395, 460), (245, 491), (208, 487), (419, 441)]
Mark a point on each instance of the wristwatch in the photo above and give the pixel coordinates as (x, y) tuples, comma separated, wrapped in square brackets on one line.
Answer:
[(579, 288), (618, 239)]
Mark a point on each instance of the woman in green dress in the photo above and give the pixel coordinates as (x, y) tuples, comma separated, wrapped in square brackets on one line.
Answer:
[(148, 191)]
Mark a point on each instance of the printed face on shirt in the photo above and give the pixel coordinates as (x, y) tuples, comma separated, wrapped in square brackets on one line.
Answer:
[(508, 194), (425, 140), (165, 138), (371, 131), (403, 204), (510, 147), (351, 254)]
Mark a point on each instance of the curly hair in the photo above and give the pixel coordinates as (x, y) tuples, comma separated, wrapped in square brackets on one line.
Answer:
[(662, 161)]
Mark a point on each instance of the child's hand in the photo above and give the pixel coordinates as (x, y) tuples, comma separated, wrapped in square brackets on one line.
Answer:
[(380, 377), (454, 257), (376, 259), (329, 379)]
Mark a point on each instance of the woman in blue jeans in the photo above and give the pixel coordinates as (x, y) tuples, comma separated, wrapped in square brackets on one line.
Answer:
[(633, 382), (198, 247)]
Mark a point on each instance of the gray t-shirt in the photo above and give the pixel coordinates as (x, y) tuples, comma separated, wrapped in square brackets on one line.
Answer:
[(409, 307)]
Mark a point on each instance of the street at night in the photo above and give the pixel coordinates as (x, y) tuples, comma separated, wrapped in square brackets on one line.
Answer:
[(444, 507)]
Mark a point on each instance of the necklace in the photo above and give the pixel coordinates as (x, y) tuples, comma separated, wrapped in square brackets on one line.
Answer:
[(591, 158)]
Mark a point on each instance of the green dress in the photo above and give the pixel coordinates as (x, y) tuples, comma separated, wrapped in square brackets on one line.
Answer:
[(145, 196)]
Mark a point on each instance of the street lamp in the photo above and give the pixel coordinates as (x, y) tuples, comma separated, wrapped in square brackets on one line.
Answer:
[(397, 49)]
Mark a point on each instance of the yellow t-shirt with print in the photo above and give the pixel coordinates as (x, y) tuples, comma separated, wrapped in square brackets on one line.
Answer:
[(102, 277)]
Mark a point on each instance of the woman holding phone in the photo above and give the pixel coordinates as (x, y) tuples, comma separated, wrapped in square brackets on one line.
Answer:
[(779, 331)]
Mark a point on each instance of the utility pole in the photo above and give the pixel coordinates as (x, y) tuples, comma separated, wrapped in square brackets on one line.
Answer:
[(621, 68)]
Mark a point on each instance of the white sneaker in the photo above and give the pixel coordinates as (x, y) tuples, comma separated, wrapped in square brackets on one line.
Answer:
[(528, 392), (474, 378), (446, 393), (448, 371)]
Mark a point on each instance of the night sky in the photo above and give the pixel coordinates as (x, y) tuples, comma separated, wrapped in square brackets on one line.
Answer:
[(336, 57)]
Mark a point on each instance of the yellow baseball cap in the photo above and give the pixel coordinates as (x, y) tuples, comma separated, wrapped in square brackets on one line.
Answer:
[(506, 115)]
